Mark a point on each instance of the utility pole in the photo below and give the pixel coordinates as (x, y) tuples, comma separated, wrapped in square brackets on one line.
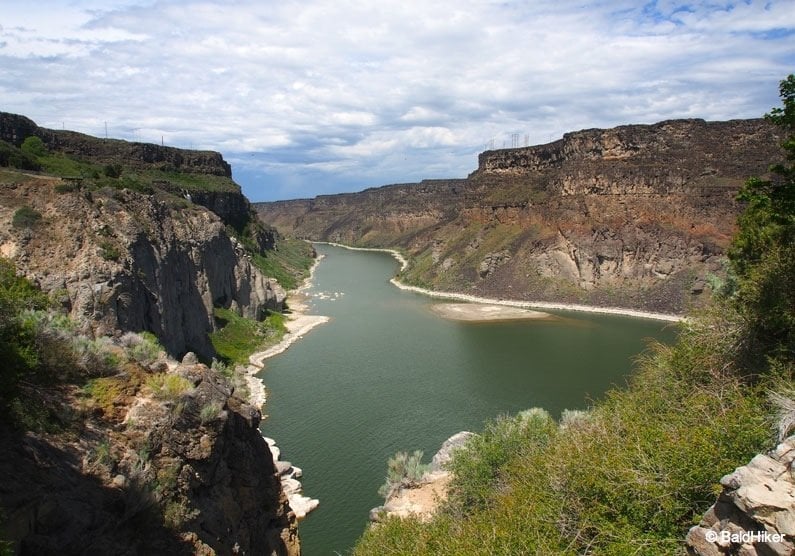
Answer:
[(106, 130)]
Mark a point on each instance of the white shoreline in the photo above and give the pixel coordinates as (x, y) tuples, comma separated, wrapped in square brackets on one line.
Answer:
[(298, 324), (508, 302)]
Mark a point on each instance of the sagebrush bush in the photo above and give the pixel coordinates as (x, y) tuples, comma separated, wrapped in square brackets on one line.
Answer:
[(168, 386), (142, 347), (403, 470)]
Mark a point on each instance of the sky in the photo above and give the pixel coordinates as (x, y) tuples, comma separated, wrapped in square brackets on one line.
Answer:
[(324, 96)]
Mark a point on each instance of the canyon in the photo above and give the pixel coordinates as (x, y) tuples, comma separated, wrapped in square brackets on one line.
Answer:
[(128, 239), (637, 216)]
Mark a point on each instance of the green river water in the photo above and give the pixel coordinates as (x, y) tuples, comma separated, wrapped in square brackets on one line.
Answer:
[(387, 374)]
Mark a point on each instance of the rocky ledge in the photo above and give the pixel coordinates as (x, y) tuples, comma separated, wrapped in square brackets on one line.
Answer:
[(422, 498), (164, 459), (755, 512), (288, 475)]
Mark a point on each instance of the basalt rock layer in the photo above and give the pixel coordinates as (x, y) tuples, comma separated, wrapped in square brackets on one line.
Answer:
[(636, 216), (119, 260), (145, 475)]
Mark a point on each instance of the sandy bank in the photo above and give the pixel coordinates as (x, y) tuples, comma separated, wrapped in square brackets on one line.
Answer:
[(479, 312), (513, 303)]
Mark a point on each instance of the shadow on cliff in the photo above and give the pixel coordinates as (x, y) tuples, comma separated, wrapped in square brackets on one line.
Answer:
[(52, 507)]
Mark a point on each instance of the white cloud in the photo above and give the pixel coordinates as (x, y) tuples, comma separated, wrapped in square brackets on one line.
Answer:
[(353, 90)]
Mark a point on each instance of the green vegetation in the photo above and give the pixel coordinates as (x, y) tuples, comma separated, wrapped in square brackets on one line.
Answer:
[(12, 157), (288, 262), (631, 475), (403, 470), (168, 386), (34, 146), (40, 350), (33, 155), (25, 217), (210, 412), (240, 337), (109, 251)]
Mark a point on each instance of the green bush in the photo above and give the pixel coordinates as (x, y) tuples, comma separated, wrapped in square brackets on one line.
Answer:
[(25, 217), (403, 470), (168, 386), (16, 158), (33, 146), (210, 412), (113, 170), (109, 251), (143, 347)]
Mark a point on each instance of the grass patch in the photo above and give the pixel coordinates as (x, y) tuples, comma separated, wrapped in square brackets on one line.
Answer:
[(289, 262), (104, 392), (168, 386), (240, 337)]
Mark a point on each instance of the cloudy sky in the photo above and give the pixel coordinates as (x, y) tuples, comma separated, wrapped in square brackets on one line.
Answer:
[(321, 96)]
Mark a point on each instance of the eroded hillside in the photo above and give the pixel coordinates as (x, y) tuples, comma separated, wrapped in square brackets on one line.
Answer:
[(636, 216)]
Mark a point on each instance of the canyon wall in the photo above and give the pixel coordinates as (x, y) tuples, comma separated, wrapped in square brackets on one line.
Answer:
[(636, 216), (120, 260)]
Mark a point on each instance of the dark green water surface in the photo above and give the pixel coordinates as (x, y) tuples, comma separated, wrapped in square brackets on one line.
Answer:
[(387, 374)]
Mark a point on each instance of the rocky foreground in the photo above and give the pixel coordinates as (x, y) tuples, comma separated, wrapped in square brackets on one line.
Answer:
[(147, 471), (755, 512)]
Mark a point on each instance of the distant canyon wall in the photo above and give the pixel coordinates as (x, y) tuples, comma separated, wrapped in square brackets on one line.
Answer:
[(636, 216)]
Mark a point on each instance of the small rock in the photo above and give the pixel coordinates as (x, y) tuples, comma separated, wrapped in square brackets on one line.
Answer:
[(283, 467), (120, 481), (290, 486), (190, 359), (296, 473)]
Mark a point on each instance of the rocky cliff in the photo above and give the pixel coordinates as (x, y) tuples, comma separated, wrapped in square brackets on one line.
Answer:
[(142, 470), (121, 260), (203, 176), (636, 216), (754, 514)]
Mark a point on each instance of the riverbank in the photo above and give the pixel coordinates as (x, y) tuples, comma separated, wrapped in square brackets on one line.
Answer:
[(509, 302), (298, 324)]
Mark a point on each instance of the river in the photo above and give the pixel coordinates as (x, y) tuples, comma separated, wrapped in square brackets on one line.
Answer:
[(387, 374)]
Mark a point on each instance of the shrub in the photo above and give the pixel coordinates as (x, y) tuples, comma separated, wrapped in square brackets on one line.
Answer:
[(168, 386), (109, 251), (143, 347), (113, 170), (211, 411), (25, 217), (33, 146), (403, 470)]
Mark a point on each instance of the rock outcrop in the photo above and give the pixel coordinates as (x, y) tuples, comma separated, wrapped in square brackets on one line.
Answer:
[(15, 129), (146, 474), (755, 512), (636, 216), (288, 475), (174, 168), (423, 498), (121, 260)]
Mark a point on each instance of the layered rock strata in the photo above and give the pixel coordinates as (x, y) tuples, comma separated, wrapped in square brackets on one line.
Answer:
[(636, 216)]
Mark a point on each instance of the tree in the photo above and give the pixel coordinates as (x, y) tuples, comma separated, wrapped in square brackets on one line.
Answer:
[(762, 254), (34, 146)]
